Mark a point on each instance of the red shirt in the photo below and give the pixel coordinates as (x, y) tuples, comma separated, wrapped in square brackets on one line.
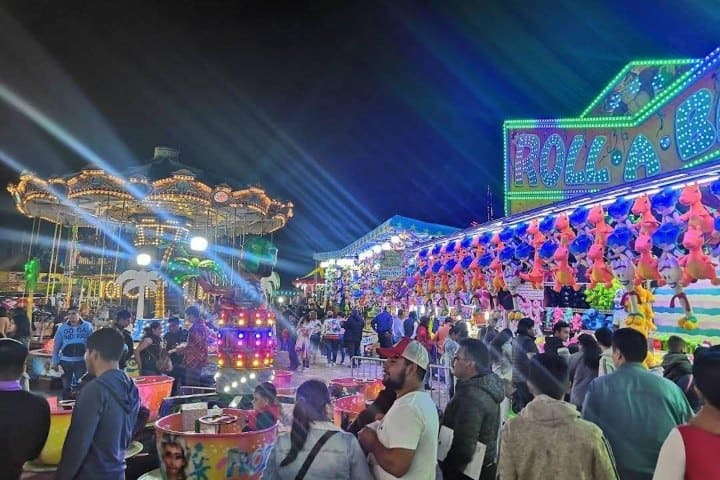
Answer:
[(196, 352), (701, 449)]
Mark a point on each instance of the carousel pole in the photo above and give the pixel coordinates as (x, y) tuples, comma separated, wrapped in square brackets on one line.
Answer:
[(53, 260)]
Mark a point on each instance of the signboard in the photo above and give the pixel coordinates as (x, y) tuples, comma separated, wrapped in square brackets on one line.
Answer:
[(391, 265), (654, 118)]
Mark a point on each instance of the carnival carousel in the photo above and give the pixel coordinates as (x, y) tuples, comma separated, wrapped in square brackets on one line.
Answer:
[(156, 239), (176, 227)]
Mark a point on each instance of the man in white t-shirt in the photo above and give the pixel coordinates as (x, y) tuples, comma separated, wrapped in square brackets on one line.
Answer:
[(405, 443)]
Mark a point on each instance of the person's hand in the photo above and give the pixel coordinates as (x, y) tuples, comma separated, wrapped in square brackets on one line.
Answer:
[(368, 439)]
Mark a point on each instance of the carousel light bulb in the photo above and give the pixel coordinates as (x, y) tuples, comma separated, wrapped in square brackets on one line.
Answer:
[(198, 244), (243, 380), (226, 389), (143, 259), (217, 375), (234, 384), (252, 376)]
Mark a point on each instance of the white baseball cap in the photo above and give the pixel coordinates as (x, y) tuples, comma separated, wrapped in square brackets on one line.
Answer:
[(411, 350)]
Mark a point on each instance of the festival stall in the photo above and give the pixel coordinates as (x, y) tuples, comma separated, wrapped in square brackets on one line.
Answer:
[(369, 271), (612, 216)]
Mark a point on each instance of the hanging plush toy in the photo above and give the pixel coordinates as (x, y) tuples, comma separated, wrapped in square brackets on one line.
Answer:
[(521, 232), (511, 275), (714, 241), (579, 249), (619, 211), (487, 266), (646, 267), (565, 275), (697, 215), (618, 243), (601, 229), (666, 238), (634, 298), (547, 226), (459, 271), (565, 233), (506, 236), (664, 203), (536, 276), (696, 265), (524, 252), (537, 239), (599, 272), (498, 281), (647, 223), (578, 220)]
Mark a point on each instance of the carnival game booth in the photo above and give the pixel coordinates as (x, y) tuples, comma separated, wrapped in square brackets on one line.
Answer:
[(369, 272), (621, 202)]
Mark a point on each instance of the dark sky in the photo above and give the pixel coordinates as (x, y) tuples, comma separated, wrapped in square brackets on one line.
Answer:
[(354, 111)]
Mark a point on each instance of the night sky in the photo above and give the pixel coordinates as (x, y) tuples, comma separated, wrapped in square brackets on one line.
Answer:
[(354, 111)]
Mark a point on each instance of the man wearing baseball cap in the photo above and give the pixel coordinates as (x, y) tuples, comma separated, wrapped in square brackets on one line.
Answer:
[(405, 443)]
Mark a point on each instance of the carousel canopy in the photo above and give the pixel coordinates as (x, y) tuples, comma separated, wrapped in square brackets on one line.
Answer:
[(395, 231), (164, 190)]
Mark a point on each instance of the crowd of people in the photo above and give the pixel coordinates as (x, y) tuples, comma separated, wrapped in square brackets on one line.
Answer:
[(586, 410)]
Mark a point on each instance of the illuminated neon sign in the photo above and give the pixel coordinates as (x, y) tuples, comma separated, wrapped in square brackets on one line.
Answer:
[(654, 117)]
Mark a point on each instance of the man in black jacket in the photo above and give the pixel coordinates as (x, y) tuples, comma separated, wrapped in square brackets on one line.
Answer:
[(353, 333), (122, 320), (473, 414)]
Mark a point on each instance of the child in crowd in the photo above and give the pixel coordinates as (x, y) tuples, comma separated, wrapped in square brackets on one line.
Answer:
[(689, 451), (267, 410), (678, 369)]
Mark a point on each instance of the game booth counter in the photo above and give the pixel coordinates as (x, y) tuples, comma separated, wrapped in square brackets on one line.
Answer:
[(612, 216)]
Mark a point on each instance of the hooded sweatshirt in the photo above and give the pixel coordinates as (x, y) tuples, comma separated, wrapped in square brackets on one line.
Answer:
[(678, 369), (550, 440), (101, 429), (474, 416)]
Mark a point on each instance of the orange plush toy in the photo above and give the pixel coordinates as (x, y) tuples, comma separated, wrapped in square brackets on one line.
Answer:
[(647, 223), (646, 266), (601, 229), (697, 216), (598, 272), (696, 265)]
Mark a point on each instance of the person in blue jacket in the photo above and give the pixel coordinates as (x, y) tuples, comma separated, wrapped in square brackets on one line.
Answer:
[(69, 350), (104, 416), (382, 324)]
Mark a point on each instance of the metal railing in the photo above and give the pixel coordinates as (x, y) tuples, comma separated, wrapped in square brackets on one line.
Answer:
[(439, 377), (440, 381), (366, 368)]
